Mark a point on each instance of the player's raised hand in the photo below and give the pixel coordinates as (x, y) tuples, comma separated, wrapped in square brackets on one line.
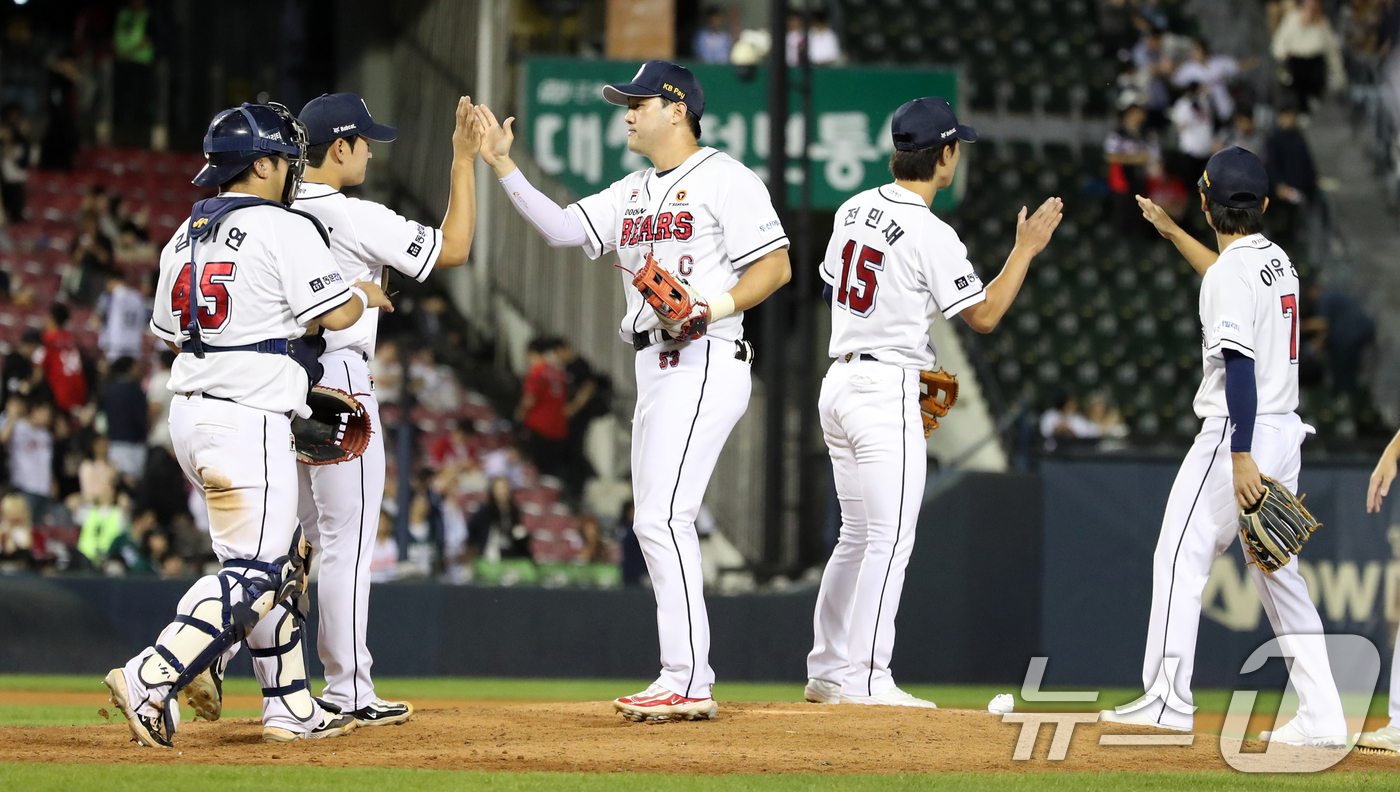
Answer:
[(1381, 479), (1158, 217), (1033, 233), (377, 298), (496, 142), (468, 133)]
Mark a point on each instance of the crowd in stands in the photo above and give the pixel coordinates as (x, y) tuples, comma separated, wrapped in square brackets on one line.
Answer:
[(715, 42)]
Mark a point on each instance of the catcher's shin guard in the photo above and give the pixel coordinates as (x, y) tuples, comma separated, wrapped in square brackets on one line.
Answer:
[(218, 612), (279, 662)]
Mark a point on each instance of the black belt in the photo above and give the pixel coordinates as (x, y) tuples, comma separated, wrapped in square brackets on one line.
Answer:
[(863, 356), (743, 350), (203, 395), (272, 346)]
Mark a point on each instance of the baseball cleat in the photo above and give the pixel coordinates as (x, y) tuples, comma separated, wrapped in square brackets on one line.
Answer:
[(820, 691), (144, 730), (894, 697), (656, 703), (332, 725), (384, 713), (1385, 740), (205, 694), (1290, 734), (1137, 717)]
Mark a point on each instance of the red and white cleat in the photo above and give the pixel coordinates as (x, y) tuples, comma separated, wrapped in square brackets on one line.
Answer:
[(656, 703)]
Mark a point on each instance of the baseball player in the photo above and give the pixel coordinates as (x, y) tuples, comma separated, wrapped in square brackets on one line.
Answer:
[(339, 504), (1387, 738), (1247, 398), (890, 268), (706, 218), (245, 277)]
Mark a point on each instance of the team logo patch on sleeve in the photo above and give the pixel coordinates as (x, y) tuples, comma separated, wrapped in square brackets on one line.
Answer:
[(322, 282), (961, 283), (317, 285), (414, 248)]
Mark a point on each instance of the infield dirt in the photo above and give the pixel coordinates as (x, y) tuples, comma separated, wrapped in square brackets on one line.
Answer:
[(590, 737)]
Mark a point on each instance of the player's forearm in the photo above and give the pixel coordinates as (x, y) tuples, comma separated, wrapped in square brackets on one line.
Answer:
[(343, 316), (763, 277), (1196, 254), (559, 227), (459, 224)]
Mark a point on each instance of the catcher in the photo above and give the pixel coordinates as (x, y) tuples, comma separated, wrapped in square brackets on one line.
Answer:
[(890, 268), (1246, 402)]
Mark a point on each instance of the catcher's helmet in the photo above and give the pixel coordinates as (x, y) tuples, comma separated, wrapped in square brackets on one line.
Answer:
[(240, 136)]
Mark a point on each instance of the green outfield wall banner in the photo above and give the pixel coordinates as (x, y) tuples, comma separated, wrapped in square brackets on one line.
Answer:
[(580, 139)]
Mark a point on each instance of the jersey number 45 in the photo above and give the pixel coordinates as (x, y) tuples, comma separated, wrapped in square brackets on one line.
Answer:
[(858, 294), (212, 277)]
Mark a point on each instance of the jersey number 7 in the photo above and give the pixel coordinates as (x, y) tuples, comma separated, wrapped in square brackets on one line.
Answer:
[(859, 296), (1290, 312), (212, 277)]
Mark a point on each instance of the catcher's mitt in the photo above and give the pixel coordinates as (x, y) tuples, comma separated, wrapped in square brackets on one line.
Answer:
[(337, 431), (930, 405), (684, 314), (1275, 528)]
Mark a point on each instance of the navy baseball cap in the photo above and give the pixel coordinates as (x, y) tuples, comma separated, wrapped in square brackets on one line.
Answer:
[(1235, 178), (664, 79), (927, 122), (331, 116)]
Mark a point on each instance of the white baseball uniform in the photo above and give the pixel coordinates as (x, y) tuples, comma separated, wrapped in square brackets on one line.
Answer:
[(339, 504), (1248, 303), (263, 273), (893, 267), (707, 220)]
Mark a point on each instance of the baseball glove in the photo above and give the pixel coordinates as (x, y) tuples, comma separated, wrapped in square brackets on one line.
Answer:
[(1275, 528), (683, 313), (932, 407), (337, 431)]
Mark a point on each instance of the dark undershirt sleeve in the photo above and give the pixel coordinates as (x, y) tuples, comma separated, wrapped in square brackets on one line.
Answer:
[(1241, 398)]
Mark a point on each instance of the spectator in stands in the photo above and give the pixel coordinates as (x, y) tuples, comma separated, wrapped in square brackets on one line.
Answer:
[(1133, 154), (496, 530), (16, 534), (16, 155), (583, 407), (384, 564), (59, 363), (124, 404), (19, 366), (1294, 175), (1195, 128), (1152, 57), (1342, 328), (1244, 133), (103, 519), (505, 463), (425, 530), (1212, 72), (133, 236), (132, 77), (124, 314), (594, 549), (1310, 51), (1108, 420), (97, 478), (434, 385), (61, 128), (822, 44), (451, 450), (90, 262), (158, 397), (28, 432), (543, 410), (712, 44), (1065, 421), (128, 551), (387, 371)]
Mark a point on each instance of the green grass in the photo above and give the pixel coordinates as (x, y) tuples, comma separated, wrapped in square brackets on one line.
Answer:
[(182, 778)]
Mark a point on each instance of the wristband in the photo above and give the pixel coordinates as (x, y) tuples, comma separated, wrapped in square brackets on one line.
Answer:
[(364, 298), (721, 306)]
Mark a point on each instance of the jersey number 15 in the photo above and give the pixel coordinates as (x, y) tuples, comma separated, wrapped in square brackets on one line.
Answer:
[(858, 295), (212, 277)]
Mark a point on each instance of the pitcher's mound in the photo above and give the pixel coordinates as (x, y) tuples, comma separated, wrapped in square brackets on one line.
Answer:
[(590, 737)]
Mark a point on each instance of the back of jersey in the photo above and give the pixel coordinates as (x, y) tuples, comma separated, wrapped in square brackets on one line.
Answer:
[(263, 273), (1249, 303), (892, 265)]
